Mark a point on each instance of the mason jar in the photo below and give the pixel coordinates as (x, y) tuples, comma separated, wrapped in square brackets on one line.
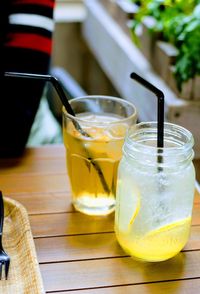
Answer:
[(155, 190)]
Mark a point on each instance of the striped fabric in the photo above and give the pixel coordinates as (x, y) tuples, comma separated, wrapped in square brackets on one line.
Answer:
[(31, 25), (26, 30)]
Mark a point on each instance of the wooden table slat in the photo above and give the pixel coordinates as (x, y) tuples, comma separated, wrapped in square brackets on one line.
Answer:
[(54, 202), (41, 203), (27, 168), (81, 247), (34, 183), (118, 271), (47, 225), (178, 287)]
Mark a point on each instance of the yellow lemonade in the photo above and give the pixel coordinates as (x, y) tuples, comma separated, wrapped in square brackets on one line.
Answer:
[(92, 161), (155, 190), (159, 244)]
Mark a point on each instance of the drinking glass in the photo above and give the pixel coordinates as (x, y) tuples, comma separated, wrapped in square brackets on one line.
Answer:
[(155, 190), (93, 140)]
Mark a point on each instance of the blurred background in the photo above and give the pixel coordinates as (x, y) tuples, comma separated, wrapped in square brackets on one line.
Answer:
[(98, 43)]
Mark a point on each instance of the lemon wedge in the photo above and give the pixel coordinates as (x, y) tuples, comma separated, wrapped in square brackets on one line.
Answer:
[(169, 227), (137, 209), (129, 205), (158, 244)]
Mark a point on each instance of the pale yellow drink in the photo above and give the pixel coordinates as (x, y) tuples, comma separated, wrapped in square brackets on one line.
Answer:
[(92, 161), (155, 190), (156, 245)]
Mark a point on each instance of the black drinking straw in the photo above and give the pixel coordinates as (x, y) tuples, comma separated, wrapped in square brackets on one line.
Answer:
[(47, 78), (160, 107), (56, 84)]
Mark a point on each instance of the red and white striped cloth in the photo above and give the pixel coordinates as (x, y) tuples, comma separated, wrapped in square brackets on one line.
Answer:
[(30, 24), (26, 30)]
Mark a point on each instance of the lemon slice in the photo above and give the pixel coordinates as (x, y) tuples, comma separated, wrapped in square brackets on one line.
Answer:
[(169, 227), (164, 242), (137, 209), (129, 206), (159, 244)]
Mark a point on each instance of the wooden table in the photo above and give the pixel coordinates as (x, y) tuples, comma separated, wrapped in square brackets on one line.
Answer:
[(79, 252)]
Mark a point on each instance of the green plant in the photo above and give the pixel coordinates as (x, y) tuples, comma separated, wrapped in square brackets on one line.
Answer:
[(178, 22), (188, 41)]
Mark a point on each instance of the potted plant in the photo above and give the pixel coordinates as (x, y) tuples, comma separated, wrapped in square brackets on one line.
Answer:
[(173, 42)]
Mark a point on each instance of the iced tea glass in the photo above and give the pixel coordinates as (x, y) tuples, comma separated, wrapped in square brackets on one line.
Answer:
[(93, 154)]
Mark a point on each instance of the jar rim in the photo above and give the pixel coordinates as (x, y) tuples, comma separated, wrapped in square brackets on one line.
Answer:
[(146, 129)]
